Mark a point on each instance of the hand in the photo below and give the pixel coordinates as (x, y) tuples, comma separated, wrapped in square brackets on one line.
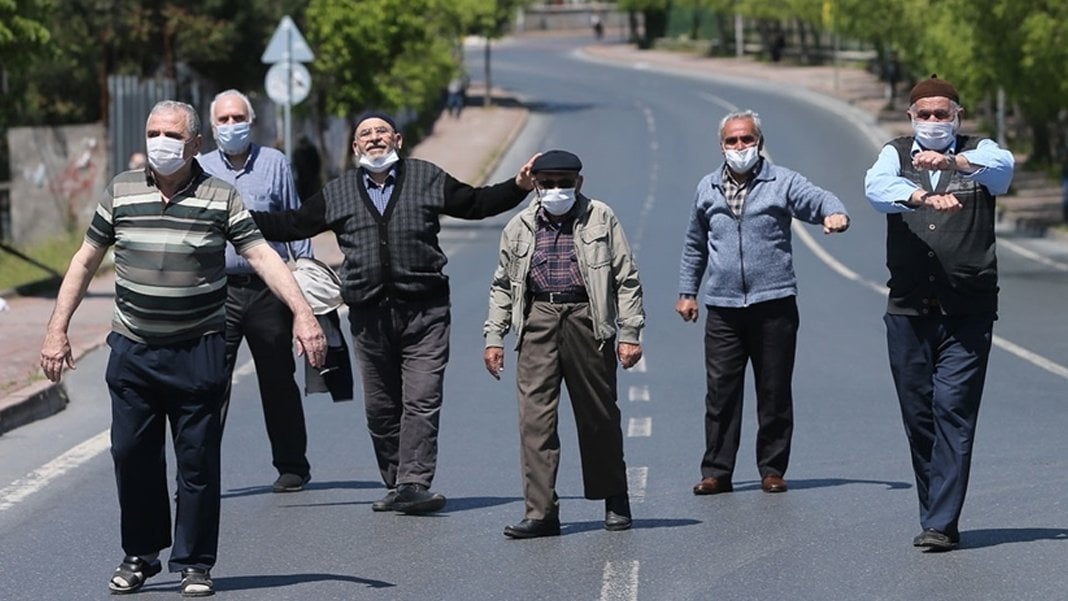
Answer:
[(494, 359), (525, 178), (55, 355), (944, 203), (687, 308), (310, 339), (933, 161), (629, 354), (838, 222)]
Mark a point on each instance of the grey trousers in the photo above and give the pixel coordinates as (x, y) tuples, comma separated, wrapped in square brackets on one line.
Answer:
[(558, 345), (402, 349)]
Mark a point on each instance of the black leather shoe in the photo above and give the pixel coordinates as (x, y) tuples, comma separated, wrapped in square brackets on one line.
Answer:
[(386, 502), (415, 499), (617, 513), (935, 540), (528, 528)]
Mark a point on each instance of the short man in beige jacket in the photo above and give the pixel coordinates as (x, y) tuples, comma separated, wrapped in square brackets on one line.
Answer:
[(567, 285)]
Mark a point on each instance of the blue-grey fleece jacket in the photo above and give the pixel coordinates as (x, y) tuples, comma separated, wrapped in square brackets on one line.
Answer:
[(748, 259)]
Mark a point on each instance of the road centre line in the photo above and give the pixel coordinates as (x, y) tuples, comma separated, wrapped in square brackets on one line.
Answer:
[(637, 478), (640, 427), (619, 581), (638, 392)]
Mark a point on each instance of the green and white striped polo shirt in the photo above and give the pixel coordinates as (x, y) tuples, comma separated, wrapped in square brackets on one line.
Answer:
[(170, 258)]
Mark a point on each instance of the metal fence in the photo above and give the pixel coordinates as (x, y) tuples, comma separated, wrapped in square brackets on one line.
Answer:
[(5, 211), (131, 100)]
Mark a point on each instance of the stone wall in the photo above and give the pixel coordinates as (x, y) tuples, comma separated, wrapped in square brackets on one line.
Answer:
[(57, 176)]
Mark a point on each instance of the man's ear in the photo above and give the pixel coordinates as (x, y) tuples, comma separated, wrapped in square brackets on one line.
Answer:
[(398, 141), (197, 143), (578, 184), (760, 144)]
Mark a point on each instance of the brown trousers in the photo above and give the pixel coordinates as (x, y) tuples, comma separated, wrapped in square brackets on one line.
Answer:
[(558, 345)]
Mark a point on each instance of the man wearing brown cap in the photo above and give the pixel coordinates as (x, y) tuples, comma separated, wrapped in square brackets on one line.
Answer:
[(385, 216), (568, 286), (937, 189)]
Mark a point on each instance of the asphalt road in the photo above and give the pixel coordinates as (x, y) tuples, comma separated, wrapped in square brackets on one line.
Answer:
[(842, 532)]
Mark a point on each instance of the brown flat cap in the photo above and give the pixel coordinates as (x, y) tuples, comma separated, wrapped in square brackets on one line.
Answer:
[(934, 87)]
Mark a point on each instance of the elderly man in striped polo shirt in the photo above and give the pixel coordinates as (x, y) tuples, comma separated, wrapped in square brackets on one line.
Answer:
[(169, 225)]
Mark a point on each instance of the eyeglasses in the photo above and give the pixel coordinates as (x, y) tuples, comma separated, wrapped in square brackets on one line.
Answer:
[(746, 139), (939, 114), (363, 134), (560, 182)]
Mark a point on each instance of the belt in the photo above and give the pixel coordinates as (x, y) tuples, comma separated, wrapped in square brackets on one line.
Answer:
[(243, 279), (561, 297)]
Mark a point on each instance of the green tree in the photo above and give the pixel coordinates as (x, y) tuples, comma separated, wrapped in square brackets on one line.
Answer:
[(383, 54), (654, 13)]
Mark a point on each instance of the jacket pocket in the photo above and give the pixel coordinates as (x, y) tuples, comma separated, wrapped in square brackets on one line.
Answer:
[(596, 248), (519, 251)]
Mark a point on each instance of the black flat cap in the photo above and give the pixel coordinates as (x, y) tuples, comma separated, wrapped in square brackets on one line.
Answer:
[(556, 160), (375, 114)]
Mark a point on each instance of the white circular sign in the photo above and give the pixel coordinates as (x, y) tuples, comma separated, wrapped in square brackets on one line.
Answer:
[(299, 83)]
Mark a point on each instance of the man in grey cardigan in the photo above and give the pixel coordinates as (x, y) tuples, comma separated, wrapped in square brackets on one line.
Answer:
[(739, 236)]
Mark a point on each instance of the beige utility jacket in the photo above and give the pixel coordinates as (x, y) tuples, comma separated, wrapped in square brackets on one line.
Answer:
[(604, 259)]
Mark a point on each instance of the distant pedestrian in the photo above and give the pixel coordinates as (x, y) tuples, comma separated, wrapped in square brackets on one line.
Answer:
[(456, 95), (307, 165), (739, 239), (598, 26), (385, 215), (568, 286), (136, 162), (778, 44), (254, 314), (169, 228), (891, 75), (937, 189)]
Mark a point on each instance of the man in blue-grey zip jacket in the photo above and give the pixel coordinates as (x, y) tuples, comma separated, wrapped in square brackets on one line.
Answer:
[(739, 236)]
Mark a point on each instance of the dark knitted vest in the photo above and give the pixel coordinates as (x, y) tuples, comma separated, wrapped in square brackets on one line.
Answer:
[(942, 262), (393, 256)]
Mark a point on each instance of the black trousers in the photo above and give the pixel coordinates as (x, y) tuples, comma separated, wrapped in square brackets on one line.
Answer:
[(402, 350), (939, 368), (255, 314), (557, 346), (766, 335), (151, 386)]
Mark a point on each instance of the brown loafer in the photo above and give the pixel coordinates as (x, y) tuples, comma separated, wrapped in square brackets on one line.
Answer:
[(773, 483), (712, 486)]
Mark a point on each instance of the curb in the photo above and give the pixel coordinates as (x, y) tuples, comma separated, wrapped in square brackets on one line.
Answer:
[(34, 402)]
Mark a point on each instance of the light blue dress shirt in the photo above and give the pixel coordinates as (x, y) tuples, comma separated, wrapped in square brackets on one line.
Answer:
[(265, 184), (887, 191)]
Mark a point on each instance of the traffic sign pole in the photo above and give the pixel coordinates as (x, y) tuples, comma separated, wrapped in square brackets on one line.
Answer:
[(287, 50)]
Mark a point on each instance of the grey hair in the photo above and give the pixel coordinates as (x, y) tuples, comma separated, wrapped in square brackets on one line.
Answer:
[(746, 114), (233, 92), (192, 119)]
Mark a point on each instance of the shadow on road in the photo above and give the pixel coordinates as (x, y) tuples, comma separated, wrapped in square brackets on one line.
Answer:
[(249, 491), (992, 537), (826, 483), (567, 528)]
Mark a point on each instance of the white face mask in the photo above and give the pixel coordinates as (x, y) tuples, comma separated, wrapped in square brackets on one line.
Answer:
[(935, 135), (233, 138), (741, 161), (557, 201), (380, 163), (165, 155)]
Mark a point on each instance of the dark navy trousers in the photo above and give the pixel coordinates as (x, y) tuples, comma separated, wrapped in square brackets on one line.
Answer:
[(184, 385), (939, 368)]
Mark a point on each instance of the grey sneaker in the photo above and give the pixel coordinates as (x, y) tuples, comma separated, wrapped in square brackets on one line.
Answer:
[(290, 483)]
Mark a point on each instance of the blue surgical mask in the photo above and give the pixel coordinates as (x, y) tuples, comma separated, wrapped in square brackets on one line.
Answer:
[(234, 137)]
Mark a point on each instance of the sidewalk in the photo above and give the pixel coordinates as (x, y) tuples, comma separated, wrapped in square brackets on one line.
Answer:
[(26, 395)]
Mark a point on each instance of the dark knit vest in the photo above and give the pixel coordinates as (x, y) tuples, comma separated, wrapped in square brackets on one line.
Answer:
[(393, 256), (942, 262)]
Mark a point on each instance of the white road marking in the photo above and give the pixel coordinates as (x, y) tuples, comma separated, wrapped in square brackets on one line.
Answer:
[(640, 427), (1006, 345), (723, 102), (638, 392), (636, 481), (34, 481), (620, 581), (1030, 254)]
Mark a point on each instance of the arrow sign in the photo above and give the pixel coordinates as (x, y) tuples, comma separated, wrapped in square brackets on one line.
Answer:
[(287, 44)]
